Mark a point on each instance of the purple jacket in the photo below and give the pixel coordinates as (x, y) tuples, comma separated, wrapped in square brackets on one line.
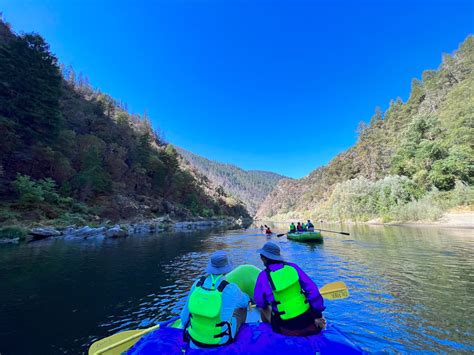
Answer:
[(263, 295)]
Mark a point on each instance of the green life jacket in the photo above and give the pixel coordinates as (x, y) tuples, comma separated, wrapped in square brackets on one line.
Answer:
[(205, 326), (290, 300), (292, 228)]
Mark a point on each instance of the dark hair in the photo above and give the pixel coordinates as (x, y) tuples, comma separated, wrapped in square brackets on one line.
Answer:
[(267, 261)]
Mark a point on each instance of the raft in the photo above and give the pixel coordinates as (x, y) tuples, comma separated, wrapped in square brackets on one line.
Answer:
[(306, 236), (254, 337)]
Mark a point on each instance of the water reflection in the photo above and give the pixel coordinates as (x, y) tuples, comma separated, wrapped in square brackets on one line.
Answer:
[(411, 288)]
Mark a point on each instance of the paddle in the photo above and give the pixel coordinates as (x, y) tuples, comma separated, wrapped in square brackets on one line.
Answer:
[(118, 343)]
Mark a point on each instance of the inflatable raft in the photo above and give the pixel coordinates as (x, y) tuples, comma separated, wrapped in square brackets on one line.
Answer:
[(306, 236), (254, 337)]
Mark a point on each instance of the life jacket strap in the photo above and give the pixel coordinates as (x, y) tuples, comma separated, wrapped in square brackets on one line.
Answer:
[(201, 281)]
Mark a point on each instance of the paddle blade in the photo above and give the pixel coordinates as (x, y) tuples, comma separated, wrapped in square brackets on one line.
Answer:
[(119, 343), (334, 291), (280, 235)]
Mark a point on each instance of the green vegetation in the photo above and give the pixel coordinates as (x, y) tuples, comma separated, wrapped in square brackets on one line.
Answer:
[(252, 187), (71, 154), (412, 162), (13, 232)]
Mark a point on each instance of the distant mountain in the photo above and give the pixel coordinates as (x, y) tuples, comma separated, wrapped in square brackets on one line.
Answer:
[(410, 162), (250, 186)]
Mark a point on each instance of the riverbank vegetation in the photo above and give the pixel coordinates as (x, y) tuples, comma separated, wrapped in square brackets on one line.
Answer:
[(70, 154), (412, 162)]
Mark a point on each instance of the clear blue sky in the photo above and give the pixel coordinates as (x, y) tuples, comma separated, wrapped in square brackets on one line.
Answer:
[(271, 85)]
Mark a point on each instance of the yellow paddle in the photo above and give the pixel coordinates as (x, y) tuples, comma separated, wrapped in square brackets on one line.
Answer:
[(118, 343), (334, 291)]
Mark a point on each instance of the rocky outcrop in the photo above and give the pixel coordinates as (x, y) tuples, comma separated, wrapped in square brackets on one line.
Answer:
[(44, 232), (116, 232)]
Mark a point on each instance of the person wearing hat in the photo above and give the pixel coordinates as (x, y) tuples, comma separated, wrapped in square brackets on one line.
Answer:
[(286, 296), (214, 308)]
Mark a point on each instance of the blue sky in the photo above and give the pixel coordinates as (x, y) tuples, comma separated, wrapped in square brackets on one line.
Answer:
[(269, 85)]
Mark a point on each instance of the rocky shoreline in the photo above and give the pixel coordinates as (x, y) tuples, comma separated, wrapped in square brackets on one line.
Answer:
[(157, 225)]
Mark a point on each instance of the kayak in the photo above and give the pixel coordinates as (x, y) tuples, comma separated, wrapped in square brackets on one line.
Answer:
[(306, 236), (254, 337)]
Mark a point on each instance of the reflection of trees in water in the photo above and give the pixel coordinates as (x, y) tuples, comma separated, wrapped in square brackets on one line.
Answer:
[(428, 271)]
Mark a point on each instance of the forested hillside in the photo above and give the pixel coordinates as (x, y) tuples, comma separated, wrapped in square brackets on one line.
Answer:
[(411, 162), (69, 153), (250, 186)]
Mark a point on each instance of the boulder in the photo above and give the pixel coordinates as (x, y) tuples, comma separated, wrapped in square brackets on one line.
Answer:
[(116, 232), (9, 240), (44, 232), (86, 232)]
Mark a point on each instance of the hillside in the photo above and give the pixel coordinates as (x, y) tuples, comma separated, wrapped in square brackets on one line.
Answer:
[(250, 186), (411, 162), (70, 153)]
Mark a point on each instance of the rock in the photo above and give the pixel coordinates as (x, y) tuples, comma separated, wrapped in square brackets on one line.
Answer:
[(44, 232), (116, 232), (9, 240), (86, 232)]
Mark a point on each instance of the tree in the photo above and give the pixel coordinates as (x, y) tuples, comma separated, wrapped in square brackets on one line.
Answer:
[(30, 88)]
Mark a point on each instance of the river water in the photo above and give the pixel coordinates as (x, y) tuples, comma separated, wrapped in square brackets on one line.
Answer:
[(411, 289)]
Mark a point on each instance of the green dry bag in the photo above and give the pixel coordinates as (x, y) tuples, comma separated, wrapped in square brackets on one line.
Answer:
[(205, 324), (290, 300)]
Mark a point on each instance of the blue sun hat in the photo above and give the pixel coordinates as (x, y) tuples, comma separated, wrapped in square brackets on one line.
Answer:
[(219, 263), (271, 251)]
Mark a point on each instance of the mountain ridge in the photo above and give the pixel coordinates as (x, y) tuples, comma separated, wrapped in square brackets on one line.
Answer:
[(250, 186)]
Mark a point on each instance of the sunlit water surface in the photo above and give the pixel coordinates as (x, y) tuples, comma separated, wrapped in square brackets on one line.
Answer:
[(412, 289)]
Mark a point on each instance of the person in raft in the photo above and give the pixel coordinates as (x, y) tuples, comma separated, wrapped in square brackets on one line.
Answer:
[(287, 298), (298, 227), (268, 231), (292, 228), (214, 308), (310, 226)]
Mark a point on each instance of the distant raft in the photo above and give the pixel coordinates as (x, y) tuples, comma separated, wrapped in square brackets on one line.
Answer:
[(309, 237)]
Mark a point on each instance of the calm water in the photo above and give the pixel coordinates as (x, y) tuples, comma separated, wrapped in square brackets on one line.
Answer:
[(412, 289)]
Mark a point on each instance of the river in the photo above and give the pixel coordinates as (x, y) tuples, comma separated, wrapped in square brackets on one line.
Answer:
[(411, 289)]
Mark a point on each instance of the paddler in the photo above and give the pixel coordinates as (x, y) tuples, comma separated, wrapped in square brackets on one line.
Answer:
[(214, 308), (292, 228), (268, 231), (310, 226), (298, 227), (287, 297)]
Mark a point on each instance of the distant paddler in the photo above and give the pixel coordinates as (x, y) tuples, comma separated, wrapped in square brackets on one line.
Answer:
[(268, 231)]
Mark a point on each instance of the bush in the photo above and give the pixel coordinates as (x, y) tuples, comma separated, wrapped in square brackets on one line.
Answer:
[(361, 199), (30, 192), (207, 212), (34, 192), (13, 232), (8, 215), (463, 194), (67, 219), (426, 209)]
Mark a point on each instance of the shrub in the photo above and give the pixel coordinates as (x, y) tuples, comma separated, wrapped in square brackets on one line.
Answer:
[(30, 192), (426, 208), (13, 232), (8, 215)]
